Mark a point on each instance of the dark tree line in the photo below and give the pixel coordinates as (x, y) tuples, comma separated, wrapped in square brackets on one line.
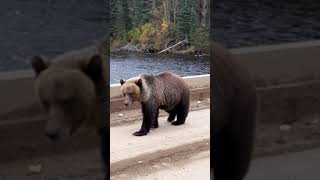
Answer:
[(159, 23)]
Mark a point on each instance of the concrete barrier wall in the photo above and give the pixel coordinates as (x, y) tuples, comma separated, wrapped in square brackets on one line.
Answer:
[(284, 63), (16, 90), (289, 102), (287, 77)]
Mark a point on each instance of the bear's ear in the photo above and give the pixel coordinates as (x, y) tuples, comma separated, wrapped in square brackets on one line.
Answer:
[(94, 68), (122, 81), (139, 83), (39, 64)]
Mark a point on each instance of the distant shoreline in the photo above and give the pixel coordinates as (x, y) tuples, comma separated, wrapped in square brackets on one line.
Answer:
[(124, 50), (115, 52)]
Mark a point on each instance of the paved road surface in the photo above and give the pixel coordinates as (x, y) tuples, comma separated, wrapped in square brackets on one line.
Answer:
[(124, 145), (295, 166), (82, 165)]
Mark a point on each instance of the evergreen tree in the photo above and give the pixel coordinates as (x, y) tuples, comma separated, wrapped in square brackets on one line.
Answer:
[(186, 20), (141, 11), (120, 17), (132, 19), (114, 15), (126, 19)]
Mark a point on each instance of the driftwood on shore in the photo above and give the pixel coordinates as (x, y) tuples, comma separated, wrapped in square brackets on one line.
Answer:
[(172, 46), (131, 47)]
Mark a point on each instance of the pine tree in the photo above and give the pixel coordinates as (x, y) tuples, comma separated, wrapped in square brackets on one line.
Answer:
[(126, 19), (114, 15), (120, 17), (186, 20), (141, 11)]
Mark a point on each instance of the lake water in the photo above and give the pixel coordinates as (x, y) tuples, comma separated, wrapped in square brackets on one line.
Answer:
[(261, 22), (129, 65)]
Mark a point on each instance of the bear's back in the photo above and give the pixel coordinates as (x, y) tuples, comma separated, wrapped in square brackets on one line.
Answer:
[(172, 79), (172, 86)]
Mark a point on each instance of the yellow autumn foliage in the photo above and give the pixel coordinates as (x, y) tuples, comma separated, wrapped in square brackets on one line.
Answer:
[(146, 30)]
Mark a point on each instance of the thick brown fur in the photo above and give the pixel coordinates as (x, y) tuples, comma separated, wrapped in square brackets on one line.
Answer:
[(234, 114), (68, 87), (165, 91)]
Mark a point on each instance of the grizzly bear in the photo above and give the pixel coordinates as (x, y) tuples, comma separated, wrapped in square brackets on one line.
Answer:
[(166, 91), (69, 87), (233, 117)]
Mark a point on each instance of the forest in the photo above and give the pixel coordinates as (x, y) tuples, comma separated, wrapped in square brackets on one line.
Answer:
[(138, 25)]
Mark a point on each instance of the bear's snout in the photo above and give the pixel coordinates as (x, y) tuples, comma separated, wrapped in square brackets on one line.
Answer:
[(127, 101)]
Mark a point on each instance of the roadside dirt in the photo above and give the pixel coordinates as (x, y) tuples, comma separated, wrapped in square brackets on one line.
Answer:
[(146, 163), (276, 138), (173, 169)]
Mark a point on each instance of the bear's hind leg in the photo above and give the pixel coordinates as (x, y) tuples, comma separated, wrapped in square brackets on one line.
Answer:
[(182, 112), (156, 123)]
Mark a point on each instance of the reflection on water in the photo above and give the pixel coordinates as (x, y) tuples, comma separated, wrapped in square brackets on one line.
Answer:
[(33, 27), (128, 65), (260, 22)]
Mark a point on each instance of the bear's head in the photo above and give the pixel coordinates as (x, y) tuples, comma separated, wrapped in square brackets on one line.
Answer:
[(131, 90), (66, 88)]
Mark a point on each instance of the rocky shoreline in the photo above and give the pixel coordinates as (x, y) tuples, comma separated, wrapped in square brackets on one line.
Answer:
[(130, 47)]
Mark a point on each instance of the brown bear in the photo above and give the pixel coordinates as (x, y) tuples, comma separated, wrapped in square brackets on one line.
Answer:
[(233, 117), (166, 91), (68, 87)]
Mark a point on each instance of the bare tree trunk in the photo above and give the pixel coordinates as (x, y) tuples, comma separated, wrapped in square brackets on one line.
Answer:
[(154, 9), (166, 5), (165, 9), (204, 13), (175, 8)]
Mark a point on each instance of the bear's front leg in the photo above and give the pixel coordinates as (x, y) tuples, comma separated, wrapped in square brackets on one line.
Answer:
[(143, 130), (150, 115)]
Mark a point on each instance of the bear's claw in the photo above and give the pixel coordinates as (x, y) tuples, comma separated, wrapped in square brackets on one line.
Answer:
[(170, 119), (177, 123), (140, 133)]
